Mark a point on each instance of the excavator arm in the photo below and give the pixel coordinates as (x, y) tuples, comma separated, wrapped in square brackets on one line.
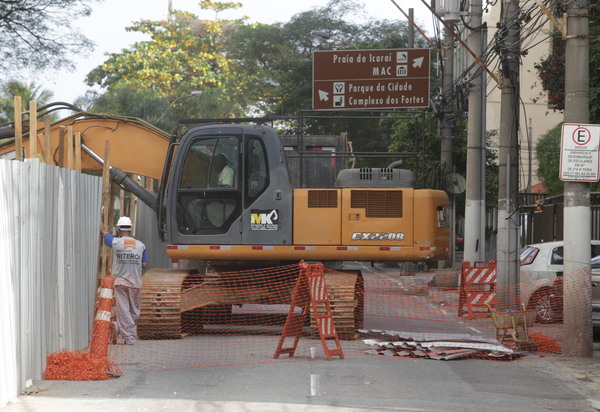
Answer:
[(136, 146)]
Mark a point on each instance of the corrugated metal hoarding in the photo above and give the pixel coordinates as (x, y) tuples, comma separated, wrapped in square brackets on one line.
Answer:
[(49, 241)]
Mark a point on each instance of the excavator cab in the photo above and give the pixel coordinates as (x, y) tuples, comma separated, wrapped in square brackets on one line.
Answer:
[(229, 185)]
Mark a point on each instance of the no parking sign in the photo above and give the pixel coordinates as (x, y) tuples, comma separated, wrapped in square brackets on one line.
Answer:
[(579, 148)]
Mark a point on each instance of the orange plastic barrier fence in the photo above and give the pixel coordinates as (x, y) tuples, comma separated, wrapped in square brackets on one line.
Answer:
[(216, 317), (310, 292), (477, 288)]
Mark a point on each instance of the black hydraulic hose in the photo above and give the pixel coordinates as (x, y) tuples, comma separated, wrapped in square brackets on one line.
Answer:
[(122, 179)]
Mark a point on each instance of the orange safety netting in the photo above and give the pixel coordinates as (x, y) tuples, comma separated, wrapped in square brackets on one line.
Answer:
[(545, 343), (213, 316), (79, 366)]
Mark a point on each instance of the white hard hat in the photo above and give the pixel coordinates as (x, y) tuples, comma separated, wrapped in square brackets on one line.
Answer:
[(124, 223)]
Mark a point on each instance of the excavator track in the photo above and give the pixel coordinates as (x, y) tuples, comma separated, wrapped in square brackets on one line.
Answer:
[(176, 302), (160, 314)]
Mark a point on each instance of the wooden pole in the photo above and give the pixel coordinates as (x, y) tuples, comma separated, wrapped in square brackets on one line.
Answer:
[(70, 154), (32, 128), (78, 151), (18, 129), (61, 146), (133, 205), (47, 154), (105, 206)]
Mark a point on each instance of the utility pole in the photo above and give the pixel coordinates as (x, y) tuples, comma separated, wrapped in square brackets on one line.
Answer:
[(475, 196), (447, 122), (577, 216), (447, 126), (507, 276), (411, 29)]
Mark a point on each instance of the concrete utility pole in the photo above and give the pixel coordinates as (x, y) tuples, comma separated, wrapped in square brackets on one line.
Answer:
[(578, 222), (447, 126), (474, 197), (447, 123), (507, 296), (411, 28)]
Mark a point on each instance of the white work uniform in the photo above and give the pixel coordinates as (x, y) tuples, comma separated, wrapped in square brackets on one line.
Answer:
[(226, 176), (128, 255)]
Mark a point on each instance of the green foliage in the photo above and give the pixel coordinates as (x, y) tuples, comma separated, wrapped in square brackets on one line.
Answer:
[(39, 34), (277, 61), (279, 57), (144, 104), (184, 54), (551, 72), (547, 154), (251, 69), (421, 135), (27, 91)]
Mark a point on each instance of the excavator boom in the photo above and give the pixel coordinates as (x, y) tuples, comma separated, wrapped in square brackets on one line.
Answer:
[(137, 147)]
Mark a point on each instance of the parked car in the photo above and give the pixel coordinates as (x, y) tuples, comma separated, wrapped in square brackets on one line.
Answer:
[(541, 273)]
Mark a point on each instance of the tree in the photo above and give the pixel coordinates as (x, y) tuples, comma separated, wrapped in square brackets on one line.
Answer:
[(551, 69), (278, 60), (38, 34), (551, 72), (421, 136), (27, 91), (547, 154), (184, 54), (144, 104), (279, 57)]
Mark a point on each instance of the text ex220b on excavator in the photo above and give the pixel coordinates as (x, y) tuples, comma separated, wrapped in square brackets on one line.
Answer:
[(226, 198)]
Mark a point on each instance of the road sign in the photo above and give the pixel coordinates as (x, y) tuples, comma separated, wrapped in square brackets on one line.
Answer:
[(369, 79), (579, 147)]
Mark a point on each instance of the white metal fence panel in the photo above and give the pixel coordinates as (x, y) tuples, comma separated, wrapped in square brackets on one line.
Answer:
[(49, 240), (146, 230)]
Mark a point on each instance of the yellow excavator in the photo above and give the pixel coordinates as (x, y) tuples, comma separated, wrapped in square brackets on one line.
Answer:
[(225, 198)]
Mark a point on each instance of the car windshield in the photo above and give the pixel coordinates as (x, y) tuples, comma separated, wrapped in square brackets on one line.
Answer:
[(596, 263), (528, 255)]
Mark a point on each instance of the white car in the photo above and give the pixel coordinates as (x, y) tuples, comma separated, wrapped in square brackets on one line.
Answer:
[(541, 280)]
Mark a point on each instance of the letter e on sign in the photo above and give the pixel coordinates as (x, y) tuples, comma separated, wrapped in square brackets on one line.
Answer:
[(581, 136)]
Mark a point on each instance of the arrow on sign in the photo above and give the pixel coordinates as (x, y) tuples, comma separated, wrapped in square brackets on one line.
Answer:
[(323, 95), (418, 62)]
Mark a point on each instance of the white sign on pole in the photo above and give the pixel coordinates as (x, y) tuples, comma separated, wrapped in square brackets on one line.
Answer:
[(579, 147)]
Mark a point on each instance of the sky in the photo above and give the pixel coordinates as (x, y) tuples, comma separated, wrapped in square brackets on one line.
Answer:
[(106, 27)]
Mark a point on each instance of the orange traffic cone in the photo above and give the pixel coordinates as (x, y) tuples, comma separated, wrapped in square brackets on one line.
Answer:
[(101, 326)]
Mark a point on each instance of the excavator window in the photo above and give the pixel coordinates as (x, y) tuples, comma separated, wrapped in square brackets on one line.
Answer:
[(257, 176), (208, 195)]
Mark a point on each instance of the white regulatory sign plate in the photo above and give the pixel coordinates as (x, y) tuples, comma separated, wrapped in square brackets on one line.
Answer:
[(579, 148)]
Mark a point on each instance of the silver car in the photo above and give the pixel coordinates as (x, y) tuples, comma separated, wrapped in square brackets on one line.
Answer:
[(541, 280)]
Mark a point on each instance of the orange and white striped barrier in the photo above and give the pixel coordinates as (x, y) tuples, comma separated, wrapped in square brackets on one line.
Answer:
[(101, 326), (477, 288)]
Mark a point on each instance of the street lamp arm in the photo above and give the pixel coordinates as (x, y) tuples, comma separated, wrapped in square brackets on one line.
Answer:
[(327, 36)]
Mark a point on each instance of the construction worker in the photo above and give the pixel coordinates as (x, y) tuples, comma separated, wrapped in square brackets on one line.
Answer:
[(226, 173), (129, 258)]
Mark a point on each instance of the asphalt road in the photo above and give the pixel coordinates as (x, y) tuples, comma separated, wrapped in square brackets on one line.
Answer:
[(355, 383), (352, 384)]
